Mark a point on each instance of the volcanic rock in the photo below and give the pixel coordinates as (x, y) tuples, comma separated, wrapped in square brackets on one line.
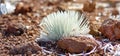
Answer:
[(111, 29), (77, 44), (14, 29)]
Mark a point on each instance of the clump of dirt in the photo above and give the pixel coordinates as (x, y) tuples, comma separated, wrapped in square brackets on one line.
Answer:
[(29, 48)]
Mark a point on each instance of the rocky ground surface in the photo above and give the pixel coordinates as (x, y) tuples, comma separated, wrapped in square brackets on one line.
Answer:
[(19, 30)]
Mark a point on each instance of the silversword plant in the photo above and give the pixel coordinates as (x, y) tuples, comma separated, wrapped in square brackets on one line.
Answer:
[(62, 24)]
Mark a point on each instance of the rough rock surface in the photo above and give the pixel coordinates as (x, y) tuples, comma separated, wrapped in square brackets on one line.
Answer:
[(111, 29), (77, 44)]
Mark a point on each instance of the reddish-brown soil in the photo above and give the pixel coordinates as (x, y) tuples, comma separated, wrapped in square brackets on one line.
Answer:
[(20, 29)]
